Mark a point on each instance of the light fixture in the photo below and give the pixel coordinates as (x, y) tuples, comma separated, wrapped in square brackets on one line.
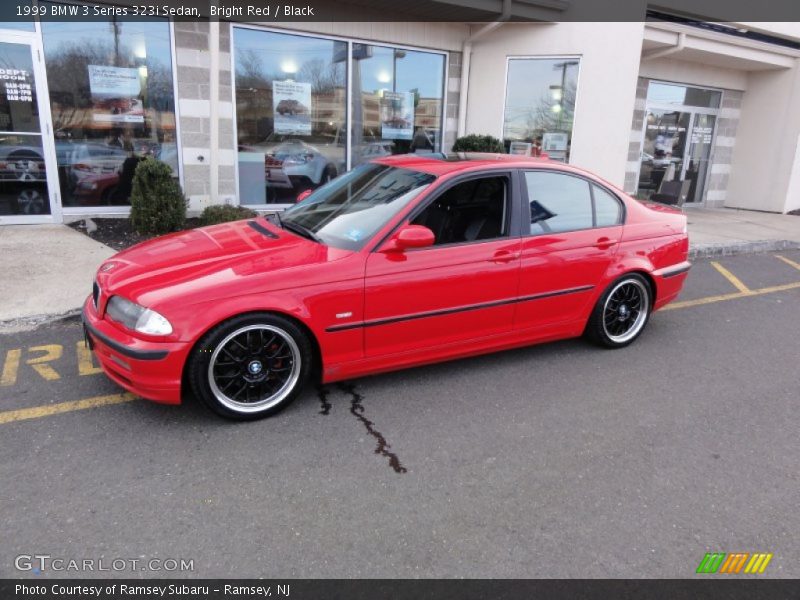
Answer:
[(555, 92), (384, 77), (289, 67), (556, 108)]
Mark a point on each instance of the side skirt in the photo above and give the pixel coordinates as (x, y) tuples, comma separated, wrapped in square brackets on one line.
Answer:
[(485, 345)]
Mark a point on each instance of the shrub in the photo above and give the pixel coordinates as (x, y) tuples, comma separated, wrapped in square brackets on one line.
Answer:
[(222, 213), (478, 143), (157, 202)]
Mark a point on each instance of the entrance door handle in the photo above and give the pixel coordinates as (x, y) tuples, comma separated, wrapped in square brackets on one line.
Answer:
[(604, 243), (504, 256)]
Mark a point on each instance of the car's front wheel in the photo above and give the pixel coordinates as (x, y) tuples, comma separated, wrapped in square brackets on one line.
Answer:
[(251, 366), (621, 313)]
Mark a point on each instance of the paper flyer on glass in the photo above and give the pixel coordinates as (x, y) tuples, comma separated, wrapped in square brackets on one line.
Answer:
[(397, 115), (292, 102), (116, 94)]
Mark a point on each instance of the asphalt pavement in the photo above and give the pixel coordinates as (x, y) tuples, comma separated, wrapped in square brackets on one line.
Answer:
[(560, 460)]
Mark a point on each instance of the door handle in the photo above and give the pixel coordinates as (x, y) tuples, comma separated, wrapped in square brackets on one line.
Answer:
[(604, 243), (504, 256)]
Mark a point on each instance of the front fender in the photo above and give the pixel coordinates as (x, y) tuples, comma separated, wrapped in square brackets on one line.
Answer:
[(316, 308)]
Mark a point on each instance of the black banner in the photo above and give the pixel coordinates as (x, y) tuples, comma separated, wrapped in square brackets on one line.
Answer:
[(326, 589), (276, 11)]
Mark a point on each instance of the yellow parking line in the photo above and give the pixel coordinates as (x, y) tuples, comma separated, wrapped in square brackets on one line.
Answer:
[(733, 279), (788, 261), (733, 296), (37, 412)]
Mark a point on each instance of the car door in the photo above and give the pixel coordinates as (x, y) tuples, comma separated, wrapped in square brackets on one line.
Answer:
[(573, 230), (461, 288)]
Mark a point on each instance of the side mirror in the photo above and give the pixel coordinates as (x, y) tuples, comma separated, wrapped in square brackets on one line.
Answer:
[(410, 236), (303, 195)]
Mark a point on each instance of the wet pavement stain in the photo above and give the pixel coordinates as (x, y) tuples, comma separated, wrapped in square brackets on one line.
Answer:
[(357, 410), (322, 394)]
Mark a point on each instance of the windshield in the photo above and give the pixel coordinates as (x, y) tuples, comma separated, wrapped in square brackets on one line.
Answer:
[(348, 211)]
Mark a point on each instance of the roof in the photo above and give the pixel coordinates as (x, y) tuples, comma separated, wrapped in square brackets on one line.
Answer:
[(438, 163)]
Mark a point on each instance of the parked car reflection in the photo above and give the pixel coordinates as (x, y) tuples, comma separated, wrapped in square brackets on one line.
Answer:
[(23, 181)]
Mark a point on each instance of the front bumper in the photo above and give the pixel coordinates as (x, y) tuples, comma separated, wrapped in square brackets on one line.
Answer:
[(152, 370)]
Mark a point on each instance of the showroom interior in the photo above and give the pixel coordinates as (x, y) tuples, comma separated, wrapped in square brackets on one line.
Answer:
[(684, 112)]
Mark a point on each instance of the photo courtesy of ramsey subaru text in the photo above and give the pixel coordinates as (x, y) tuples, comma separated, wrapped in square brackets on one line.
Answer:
[(404, 261)]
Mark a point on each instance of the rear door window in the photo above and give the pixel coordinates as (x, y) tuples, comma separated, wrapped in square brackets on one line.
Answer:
[(558, 202)]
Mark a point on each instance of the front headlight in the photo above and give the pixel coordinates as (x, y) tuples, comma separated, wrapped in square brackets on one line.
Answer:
[(297, 159), (137, 317)]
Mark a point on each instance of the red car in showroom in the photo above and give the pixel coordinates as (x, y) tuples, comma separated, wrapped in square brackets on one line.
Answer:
[(403, 261)]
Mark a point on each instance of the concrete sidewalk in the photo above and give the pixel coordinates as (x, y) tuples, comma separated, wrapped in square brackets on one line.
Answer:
[(726, 231), (47, 272), (48, 269)]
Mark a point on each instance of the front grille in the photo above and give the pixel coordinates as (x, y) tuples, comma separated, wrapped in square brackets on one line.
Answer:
[(95, 294)]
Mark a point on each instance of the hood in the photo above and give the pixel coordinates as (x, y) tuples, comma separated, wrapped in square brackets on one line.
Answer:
[(210, 262)]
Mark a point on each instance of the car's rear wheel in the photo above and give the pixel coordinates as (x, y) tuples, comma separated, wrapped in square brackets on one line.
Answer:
[(621, 313), (251, 366), (328, 174)]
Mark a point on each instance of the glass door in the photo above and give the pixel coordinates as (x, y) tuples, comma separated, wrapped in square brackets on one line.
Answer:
[(663, 152), (27, 179), (698, 156)]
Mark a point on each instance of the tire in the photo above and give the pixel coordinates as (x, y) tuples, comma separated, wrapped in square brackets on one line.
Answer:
[(251, 366), (30, 202), (621, 313), (328, 174), (26, 165)]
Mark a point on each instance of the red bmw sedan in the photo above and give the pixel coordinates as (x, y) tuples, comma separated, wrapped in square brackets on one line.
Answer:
[(403, 261)]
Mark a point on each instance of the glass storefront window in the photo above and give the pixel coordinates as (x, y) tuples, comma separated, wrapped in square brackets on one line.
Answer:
[(540, 104), (27, 11), (290, 113), (398, 97), (18, 25), (291, 109), (112, 103), (682, 95)]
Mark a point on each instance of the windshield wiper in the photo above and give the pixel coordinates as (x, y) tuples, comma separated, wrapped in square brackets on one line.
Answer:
[(300, 230)]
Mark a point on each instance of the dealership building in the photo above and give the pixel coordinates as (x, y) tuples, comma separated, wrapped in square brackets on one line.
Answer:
[(682, 111)]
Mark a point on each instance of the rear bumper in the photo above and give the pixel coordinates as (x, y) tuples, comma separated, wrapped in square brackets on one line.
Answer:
[(151, 370), (669, 282)]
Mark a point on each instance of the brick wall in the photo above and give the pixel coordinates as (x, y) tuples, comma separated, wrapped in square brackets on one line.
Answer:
[(193, 74), (452, 99), (722, 152), (635, 143)]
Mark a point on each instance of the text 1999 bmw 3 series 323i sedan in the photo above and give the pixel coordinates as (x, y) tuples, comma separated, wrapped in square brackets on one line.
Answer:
[(403, 261)]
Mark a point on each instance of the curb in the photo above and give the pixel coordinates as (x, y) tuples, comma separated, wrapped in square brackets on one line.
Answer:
[(34, 321), (734, 248)]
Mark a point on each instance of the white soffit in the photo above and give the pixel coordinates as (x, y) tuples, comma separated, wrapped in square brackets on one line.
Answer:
[(714, 49)]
